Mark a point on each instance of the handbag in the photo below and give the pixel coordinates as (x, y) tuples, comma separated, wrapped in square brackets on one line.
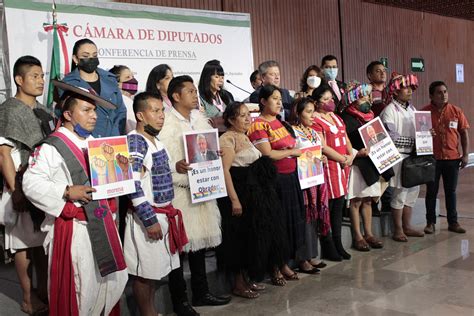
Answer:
[(418, 170)]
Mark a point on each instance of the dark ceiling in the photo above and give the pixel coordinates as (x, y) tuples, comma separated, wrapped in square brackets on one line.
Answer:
[(463, 9)]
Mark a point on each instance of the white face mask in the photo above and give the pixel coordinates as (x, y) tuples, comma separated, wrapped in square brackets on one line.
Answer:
[(313, 81)]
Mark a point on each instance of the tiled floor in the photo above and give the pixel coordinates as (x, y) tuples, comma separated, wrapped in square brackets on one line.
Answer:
[(426, 276)]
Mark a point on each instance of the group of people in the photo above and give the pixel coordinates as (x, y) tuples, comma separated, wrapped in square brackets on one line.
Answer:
[(267, 225)]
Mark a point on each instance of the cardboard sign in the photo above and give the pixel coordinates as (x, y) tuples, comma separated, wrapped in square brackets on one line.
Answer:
[(206, 179), (382, 150), (423, 137), (111, 171), (310, 167)]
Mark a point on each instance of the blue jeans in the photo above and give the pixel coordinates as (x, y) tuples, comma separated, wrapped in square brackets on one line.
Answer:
[(449, 170)]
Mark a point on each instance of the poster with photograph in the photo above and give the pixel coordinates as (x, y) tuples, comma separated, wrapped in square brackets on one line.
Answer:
[(310, 167), (206, 179), (382, 150), (423, 137), (111, 171)]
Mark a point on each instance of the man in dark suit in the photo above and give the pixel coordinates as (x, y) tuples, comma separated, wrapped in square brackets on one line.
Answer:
[(374, 137), (203, 153), (270, 74), (330, 71)]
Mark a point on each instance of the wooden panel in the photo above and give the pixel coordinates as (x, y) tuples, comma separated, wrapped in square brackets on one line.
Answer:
[(291, 32), (372, 31)]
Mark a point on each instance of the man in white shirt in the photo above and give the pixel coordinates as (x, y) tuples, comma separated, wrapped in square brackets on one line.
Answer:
[(87, 271)]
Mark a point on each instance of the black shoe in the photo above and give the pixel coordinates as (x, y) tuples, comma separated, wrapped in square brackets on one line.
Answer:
[(340, 249), (328, 250), (211, 300), (185, 309)]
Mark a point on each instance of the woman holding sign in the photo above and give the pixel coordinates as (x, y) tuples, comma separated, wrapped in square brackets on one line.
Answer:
[(276, 140), (315, 197), (364, 181), (252, 219), (337, 147)]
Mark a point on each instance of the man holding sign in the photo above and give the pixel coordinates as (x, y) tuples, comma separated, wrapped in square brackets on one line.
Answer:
[(87, 271), (451, 128), (202, 220)]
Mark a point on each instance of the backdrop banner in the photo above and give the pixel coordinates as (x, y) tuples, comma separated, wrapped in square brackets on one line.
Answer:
[(137, 36)]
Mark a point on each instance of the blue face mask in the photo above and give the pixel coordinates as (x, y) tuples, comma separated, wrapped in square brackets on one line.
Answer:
[(81, 131), (330, 73)]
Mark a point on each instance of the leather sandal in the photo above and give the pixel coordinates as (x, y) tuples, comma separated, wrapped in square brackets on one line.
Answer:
[(248, 293), (292, 277), (361, 245), (278, 281), (256, 286), (374, 242)]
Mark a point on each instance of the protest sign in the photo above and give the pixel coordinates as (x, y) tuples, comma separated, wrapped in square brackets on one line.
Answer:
[(310, 167), (423, 137), (206, 179), (111, 171), (382, 150)]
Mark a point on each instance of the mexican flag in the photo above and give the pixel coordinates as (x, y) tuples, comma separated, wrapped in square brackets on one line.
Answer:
[(59, 56)]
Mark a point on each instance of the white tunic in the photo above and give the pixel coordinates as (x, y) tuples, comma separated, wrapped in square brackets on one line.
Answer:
[(201, 220), (20, 234), (147, 258), (44, 183), (403, 121)]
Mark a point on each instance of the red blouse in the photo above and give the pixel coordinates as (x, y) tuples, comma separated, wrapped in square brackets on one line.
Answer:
[(279, 138), (335, 135)]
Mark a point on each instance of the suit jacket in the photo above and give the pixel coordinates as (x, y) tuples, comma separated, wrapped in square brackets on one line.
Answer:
[(286, 99), (377, 139), (340, 105), (210, 155)]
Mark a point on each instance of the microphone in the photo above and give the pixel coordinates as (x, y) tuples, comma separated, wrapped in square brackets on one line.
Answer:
[(228, 81)]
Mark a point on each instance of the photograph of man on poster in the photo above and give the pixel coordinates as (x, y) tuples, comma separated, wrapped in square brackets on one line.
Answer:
[(373, 134), (203, 148)]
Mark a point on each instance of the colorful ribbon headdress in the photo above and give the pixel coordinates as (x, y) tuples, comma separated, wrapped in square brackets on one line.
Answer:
[(403, 81), (355, 91)]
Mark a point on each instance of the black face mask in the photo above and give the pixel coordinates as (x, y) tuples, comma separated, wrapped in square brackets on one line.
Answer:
[(365, 107), (88, 65), (151, 130)]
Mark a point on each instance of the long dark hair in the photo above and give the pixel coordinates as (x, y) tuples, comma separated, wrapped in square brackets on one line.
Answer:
[(319, 91), (76, 47), (156, 74), (265, 93), (303, 84), (297, 108), (211, 68)]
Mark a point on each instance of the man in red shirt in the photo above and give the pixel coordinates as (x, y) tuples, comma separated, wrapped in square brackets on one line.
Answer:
[(377, 75), (451, 127)]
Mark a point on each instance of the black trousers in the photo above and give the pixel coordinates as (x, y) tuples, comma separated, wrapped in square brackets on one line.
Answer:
[(336, 207), (199, 286), (449, 170)]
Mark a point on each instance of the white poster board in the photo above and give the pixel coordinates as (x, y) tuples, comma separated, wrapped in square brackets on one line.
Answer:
[(382, 150), (423, 137), (206, 179), (110, 168), (138, 36), (310, 167)]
